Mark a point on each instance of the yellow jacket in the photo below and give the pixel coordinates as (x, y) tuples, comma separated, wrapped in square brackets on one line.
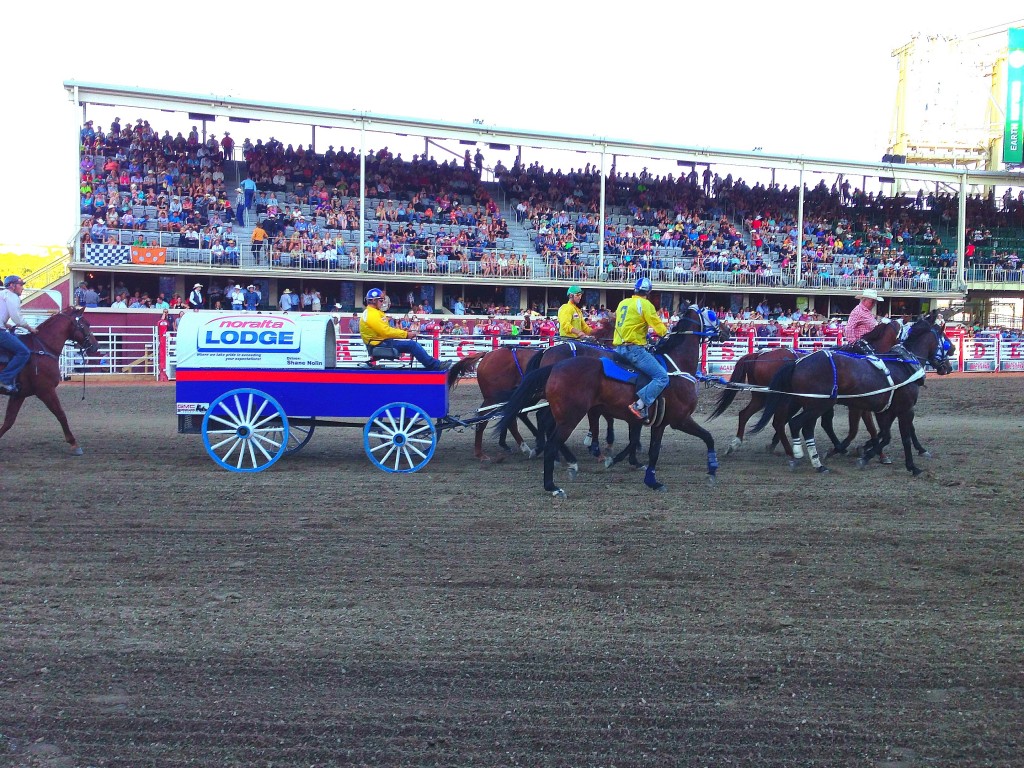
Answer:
[(374, 328), (632, 319), (570, 319)]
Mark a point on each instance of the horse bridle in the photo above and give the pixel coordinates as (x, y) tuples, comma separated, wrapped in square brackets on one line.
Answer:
[(707, 326)]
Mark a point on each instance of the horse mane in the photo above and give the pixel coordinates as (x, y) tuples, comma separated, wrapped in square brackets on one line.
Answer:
[(677, 337), (921, 326), (876, 333)]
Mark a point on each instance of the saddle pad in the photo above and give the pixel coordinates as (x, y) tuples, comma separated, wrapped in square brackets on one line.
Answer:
[(615, 371)]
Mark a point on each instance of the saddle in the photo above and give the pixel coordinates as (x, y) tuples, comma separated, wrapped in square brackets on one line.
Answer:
[(619, 369)]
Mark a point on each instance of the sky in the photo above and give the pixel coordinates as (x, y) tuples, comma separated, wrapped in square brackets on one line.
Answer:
[(791, 78)]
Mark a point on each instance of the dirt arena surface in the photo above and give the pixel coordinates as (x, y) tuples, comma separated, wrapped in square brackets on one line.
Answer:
[(159, 611)]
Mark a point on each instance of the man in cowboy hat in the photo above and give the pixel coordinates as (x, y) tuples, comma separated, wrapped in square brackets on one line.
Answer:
[(862, 318), (10, 318)]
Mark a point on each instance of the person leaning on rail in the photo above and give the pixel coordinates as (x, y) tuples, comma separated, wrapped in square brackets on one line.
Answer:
[(375, 330)]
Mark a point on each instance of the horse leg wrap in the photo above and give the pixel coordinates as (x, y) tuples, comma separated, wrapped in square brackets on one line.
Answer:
[(712, 462), (798, 447), (734, 444), (812, 453)]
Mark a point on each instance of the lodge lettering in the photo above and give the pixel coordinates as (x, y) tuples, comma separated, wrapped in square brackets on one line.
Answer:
[(266, 337)]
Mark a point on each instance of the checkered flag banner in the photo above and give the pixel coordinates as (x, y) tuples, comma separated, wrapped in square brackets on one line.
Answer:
[(107, 255)]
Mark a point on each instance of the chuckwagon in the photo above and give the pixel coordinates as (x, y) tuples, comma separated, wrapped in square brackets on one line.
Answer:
[(257, 386)]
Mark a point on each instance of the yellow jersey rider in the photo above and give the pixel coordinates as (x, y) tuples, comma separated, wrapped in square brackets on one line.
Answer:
[(633, 317), (571, 324), (375, 330)]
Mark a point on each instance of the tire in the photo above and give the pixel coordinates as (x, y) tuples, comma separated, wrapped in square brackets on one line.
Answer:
[(400, 437), (245, 430)]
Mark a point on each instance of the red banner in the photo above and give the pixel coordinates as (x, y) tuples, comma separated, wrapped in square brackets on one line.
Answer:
[(148, 255)]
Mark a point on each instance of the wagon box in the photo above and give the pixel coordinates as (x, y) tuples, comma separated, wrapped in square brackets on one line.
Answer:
[(255, 341)]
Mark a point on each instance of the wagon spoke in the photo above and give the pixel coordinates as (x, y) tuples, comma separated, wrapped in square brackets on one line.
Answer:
[(225, 422), (260, 439), (225, 441)]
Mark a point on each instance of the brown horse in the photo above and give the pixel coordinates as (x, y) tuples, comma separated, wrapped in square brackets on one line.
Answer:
[(758, 369), (889, 386), (499, 371), (577, 386), (42, 374)]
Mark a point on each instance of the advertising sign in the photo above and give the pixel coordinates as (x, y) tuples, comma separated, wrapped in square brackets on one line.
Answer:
[(261, 340), (1013, 148)]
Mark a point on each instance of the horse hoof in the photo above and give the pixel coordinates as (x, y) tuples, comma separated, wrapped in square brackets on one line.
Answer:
[(531, 454), (916, 472), (823, 470), (712, 480), (658, 488), (574, 469), (609, 461), (526, 449), (558, 493), (595, 450), (728, 450), (925, 454), (793, 464), (862, 463), (883, 459), (77, 452)]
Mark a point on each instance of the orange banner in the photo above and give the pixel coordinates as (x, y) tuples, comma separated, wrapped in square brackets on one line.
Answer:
[(149, 255)]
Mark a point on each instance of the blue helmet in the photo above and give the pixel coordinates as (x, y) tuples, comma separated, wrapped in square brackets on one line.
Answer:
[(373, 294), (643, 285)]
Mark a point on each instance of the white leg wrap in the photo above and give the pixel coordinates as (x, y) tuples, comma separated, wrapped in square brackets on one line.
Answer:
[(735, 443), (812, 453), (798, 447)]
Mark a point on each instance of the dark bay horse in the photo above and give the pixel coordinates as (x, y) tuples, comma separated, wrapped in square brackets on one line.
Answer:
[(499, 371), (888, 387), (758, 369), (41, 375), (576, 386)]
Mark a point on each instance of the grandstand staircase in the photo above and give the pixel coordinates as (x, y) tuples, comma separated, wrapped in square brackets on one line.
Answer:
[(522, 238)]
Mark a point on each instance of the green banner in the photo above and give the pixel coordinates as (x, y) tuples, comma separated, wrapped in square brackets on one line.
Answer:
[(1013, 142)]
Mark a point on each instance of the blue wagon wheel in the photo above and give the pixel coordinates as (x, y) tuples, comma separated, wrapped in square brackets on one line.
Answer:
[(298, 436), (245, 430), (400, 437)]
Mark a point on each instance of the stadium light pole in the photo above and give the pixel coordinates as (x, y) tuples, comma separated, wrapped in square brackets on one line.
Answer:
[(961, 231), (362, 192), (600, 230), (800, 228)]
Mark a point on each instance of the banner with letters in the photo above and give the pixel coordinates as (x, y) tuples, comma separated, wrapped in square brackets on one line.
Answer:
[(1013, 142)]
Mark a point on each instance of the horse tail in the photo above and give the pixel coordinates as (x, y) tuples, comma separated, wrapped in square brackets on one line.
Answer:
[(739, 376), (533, 363), (464, 367), (779, 395), (525, 395)]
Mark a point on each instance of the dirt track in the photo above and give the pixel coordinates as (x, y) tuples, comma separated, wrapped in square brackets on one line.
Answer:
[(160, 611)]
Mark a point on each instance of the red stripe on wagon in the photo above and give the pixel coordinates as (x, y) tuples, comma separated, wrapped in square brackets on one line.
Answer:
[(244, 377)]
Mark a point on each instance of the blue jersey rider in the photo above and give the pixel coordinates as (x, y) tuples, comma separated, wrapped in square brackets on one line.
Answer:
[(633, 317), (375, 330), (10, 318)]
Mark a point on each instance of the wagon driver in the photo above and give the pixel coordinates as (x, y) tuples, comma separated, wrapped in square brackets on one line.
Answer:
[(571, 324), (10, 318), (375, 330)]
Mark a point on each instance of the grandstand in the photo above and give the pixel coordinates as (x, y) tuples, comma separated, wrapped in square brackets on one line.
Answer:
[(160, 213)]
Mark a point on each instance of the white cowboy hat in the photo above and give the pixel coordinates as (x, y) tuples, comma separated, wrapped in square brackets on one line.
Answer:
[(870, 293)]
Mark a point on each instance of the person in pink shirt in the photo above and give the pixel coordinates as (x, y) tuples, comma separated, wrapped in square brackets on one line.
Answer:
[(862, 318)]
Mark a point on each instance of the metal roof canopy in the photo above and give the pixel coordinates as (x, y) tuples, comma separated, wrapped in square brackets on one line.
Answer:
[(81, 93)]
